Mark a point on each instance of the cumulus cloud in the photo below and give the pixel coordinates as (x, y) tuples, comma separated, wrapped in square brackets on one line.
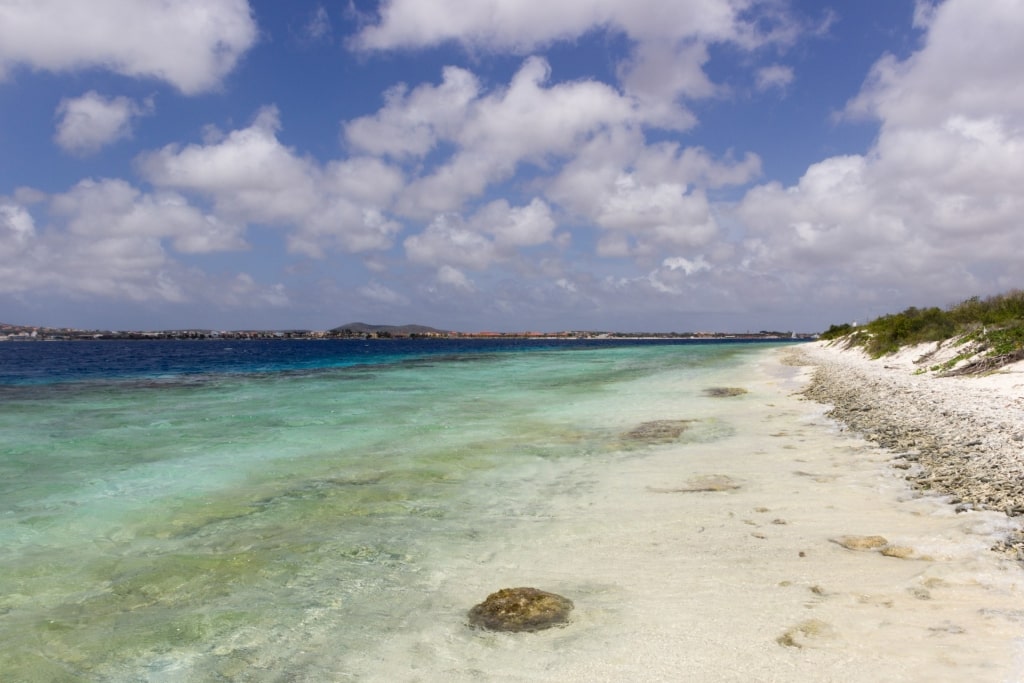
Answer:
[(520, 226), (932, 210), (649, 195), (494, 133), (965, 68), (191, 44), (252, 178), (646, 198), (529, 24), (114, 209), (449, 241), (670, 40), (411, 123), (454, 278), (16, 224), (111, 240), (89, 122), (687, 266), (493, 234)]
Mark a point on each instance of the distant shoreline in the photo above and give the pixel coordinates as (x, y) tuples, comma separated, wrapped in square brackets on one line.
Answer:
[(14, 333)]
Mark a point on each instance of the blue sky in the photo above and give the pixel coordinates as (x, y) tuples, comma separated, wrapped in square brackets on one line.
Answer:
[(601, 164)]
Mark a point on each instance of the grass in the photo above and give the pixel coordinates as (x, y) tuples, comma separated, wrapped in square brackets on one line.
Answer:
[(992, 327)]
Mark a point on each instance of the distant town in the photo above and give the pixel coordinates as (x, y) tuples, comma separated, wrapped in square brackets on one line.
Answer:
[(10, 332)]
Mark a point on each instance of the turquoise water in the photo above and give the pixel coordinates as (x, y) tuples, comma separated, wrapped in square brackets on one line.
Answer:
[(263, 520)]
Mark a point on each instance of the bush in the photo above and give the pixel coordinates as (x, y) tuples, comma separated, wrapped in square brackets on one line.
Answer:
[(996, 322)]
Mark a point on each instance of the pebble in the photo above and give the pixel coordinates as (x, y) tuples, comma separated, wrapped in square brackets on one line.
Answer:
[(963, 439)]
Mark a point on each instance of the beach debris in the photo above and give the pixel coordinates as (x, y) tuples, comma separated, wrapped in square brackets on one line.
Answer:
[(520, 609), (702, 484), (658, 431), (861, 542), (724, 392), (798, 635)]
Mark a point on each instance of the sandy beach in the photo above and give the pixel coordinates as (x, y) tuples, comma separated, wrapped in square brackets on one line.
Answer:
[(736, 515), (794, 550), (957, 435)]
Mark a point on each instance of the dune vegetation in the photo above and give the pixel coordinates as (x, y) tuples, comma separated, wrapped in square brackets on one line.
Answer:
[(989, 332)]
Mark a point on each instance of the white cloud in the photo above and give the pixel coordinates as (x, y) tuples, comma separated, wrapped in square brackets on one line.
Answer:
[(659, 73), (495, 133), (412, 123), (252, 178), (455, 278), (191, 44), (933, 210), (670, 39), (526, 25), (113, 209), (92, 121), (774, 76), (381, 294), (493, 234), (520, 226), (645, 198), (687, 266), (449, 241), (967, 67), (16, 224), (319, 25), (110, 240)]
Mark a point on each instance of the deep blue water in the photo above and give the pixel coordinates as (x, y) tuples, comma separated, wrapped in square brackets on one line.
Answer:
[(48, 362)]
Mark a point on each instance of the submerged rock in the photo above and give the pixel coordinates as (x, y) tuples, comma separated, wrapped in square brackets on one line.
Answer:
[(658, 431), (702, 484), (724, 392), (861, 542), (520, 609)]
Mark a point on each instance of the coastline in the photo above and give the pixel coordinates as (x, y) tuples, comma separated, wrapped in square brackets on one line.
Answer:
[(962, 437), (708, 521), (736, 559)]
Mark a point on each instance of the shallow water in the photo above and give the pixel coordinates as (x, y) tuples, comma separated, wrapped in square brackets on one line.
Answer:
[(330, 521)]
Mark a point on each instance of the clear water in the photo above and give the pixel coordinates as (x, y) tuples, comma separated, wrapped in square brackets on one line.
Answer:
[(279, 510)]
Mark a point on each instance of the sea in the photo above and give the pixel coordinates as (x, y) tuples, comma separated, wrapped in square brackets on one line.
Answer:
[(329, 510)]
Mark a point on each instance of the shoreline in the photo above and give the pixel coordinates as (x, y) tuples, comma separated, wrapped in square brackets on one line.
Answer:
[(960, 437)]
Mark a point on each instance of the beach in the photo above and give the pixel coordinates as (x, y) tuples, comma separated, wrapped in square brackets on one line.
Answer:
[(290, 517), (794, 550), (957, 435)]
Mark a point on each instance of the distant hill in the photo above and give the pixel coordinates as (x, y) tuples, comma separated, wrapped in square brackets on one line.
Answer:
[(394, 330)]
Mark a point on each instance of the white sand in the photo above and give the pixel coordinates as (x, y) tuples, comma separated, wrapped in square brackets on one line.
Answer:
[(746, 584), (996, 398)]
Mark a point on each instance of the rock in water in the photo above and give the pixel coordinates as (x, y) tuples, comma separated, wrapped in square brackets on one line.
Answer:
[(724, 392), (520, 609), (658, 431)]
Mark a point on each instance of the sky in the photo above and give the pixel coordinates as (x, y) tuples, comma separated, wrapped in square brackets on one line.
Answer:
[(632, 165)]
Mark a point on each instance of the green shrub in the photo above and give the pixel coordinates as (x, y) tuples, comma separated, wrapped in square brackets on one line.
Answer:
[(836, 331), (996, 323)]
